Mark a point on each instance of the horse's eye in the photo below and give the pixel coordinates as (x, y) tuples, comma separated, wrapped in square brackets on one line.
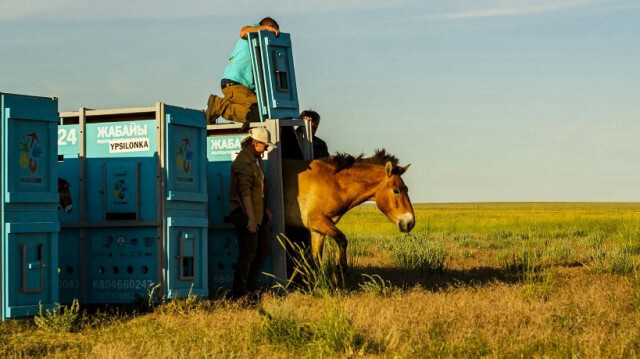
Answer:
[(396, 191)]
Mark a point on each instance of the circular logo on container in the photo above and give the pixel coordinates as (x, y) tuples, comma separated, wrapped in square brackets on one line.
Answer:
[(30, 152), (120, 241), (120, 189), (184, 155)]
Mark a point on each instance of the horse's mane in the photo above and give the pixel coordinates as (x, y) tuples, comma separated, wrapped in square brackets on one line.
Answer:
[(341, 161)]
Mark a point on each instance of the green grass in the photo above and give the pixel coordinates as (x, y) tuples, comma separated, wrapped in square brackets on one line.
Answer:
[(489, 280), (60, 318), (420, 253), (332, 333)]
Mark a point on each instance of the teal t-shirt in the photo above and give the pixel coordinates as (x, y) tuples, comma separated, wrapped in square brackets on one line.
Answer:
[(239, 67)]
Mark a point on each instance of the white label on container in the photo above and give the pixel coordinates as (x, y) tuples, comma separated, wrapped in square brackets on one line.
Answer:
[(129, 145)]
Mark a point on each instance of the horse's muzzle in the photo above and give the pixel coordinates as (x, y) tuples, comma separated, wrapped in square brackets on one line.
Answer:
[(406, 222)]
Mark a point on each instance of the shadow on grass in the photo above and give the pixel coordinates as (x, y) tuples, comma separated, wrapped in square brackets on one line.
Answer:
[(407, 278)]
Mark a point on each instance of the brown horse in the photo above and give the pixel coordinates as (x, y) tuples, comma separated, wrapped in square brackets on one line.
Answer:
[(318, 193)]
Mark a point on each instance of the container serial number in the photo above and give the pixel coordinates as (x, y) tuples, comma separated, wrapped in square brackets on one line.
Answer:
[(122, 284)]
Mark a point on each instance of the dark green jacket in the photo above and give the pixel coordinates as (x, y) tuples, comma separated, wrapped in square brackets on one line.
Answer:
[(247, 180)]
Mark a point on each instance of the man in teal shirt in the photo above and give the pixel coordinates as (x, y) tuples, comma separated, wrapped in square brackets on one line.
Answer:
[(239, 103)]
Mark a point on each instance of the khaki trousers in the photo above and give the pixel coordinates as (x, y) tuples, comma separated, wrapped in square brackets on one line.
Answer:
[(239, 104)]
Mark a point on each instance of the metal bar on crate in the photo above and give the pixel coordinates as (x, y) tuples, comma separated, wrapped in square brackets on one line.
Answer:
[(161, 171), (138, 164), (111, 224)]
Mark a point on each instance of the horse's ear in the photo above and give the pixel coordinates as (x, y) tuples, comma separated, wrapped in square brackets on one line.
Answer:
[(404, 169), (388, 168)]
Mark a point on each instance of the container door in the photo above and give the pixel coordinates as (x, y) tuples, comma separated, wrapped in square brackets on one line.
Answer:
[(29, 153), (123, 188), (32, 264), (272, 61), (185, 160), (186, 202), (121, 170), (187, 261), (29, 219)]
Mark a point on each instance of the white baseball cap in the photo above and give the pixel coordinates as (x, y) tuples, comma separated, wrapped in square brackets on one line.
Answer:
[(261, 134)]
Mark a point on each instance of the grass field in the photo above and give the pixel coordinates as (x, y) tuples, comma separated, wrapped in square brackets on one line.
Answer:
[(496, 280)]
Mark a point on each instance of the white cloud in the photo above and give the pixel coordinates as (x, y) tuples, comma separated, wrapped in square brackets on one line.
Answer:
[(17, 9), (498, 8), (438, 9), (100, 9)]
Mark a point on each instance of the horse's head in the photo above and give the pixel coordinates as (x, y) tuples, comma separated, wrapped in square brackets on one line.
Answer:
[(65, 196), (393, 200)]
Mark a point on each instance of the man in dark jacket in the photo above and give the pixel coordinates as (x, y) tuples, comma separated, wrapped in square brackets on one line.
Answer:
[(249, 212), (320, 149)]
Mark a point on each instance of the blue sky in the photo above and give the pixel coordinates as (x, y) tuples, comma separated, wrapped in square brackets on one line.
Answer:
[(489, 100)]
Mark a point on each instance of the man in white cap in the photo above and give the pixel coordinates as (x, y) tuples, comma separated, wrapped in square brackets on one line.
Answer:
[(249, 212)]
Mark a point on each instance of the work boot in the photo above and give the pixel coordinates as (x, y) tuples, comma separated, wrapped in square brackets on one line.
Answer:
[(211, 115)]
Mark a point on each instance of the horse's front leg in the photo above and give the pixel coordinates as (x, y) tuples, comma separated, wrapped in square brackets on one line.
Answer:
[(324, 227), (341, 239), (317, 243)]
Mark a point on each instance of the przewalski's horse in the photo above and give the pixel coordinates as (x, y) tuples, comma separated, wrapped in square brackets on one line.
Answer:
[(318, 193), (65, 195)]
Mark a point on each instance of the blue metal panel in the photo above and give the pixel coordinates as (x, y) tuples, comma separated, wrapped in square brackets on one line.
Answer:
[(272, 61), (125, 183), (122, 187), (69, 172), (68, 140), (186, 134), (29, 157), (222, 150), (223, 253), (121, 263), (222, 257), (28, 204), (186, 257), (69, 248), (124, 178), (69, 264), (29, 259), (121, 171)]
